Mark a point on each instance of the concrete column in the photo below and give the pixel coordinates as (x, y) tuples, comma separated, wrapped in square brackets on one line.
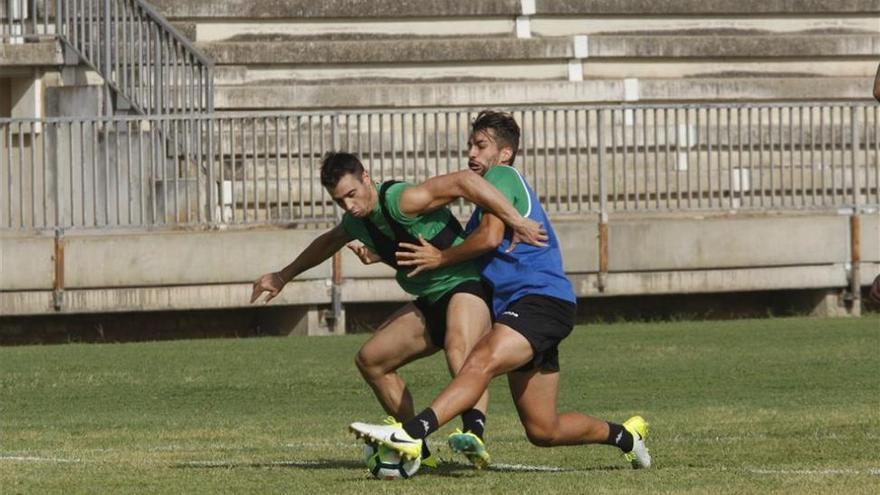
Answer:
[(300, 320)]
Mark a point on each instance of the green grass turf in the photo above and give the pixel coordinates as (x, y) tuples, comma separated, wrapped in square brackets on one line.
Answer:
[(752, 406)]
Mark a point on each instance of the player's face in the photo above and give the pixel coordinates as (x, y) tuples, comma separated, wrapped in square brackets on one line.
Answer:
[(354, 194), (484, 152)]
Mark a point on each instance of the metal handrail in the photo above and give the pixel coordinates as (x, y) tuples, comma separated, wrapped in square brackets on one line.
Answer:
[(151, 67), (196, 170)]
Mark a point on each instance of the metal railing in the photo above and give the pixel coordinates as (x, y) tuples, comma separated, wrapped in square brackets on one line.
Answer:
[(149, 65), (26, 20), (144, 172)]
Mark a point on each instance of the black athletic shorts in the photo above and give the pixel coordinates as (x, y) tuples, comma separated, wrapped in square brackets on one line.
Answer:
[(435, 313), (544, 321)]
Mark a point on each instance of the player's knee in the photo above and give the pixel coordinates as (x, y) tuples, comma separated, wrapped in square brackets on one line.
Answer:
[(540, 436), (367, 364)]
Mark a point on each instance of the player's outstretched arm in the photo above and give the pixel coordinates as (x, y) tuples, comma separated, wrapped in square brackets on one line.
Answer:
[(319, 250), (425, 257), (439, 191)]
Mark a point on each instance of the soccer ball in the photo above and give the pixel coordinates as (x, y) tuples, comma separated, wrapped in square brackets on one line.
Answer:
[(386, 464)]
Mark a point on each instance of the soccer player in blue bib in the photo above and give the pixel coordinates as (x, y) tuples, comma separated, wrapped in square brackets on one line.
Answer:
[(534, 308)]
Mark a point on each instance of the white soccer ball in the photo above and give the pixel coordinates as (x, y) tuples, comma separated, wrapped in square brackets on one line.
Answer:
[(386, 464)]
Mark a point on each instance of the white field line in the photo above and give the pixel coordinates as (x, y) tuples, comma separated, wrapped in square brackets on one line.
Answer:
[(816, 472), (526, 468)]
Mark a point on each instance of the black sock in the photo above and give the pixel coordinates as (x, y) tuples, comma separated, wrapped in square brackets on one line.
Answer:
[(474, 421), (422, 425), (617, 435)]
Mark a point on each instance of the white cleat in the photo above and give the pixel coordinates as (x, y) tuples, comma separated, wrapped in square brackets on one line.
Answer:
[(392, 436)]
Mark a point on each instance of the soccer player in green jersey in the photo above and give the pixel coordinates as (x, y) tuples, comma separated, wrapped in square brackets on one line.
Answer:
[(451, 311)]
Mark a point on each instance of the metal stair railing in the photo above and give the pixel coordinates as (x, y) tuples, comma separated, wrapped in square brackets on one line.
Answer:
[(144, 60)]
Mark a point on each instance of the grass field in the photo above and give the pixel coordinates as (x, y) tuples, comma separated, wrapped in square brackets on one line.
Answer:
[(751, 406)]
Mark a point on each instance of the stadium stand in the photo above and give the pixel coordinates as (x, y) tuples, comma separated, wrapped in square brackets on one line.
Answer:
[(709, 146), (288, 54)]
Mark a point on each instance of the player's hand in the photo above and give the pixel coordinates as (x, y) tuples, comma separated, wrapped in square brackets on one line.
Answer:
[(366, 255), (423, 256), (271, 283), (530, 232)]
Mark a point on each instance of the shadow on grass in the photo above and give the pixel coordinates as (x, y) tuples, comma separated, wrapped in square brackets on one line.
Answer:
[(309, 464), (444, 469)]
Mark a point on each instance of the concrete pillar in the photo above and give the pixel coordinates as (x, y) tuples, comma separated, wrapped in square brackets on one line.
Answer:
[(301, 320), (831, 304)]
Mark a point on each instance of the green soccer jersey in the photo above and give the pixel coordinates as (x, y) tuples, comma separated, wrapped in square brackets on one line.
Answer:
[(431, 284)]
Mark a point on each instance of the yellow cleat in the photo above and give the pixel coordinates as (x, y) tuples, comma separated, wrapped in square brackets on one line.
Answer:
[(471, 446), (639, 457)]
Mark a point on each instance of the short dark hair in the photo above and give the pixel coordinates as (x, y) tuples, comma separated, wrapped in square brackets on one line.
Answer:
[(505, 127), (336, 165)]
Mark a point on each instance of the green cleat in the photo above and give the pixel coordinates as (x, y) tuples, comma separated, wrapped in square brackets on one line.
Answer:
[(638, 457), (471, 446)]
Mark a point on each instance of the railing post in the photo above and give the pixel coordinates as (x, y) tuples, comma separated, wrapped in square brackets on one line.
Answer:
[(855, 222), (105, 57), (603, 201)]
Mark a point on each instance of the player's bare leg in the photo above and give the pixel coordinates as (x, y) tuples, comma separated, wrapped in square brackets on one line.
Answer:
[(401, 339), (534, 394), (467, 321), (502, 350)]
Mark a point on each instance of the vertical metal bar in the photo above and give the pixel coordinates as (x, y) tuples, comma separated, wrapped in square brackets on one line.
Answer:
[(687, 156), (21, 195), (546, 139), (823, 147), (33, 167), (142, 180), (117, 167), (311, 167), (210, 198), (624, 155), (577, 160), (854, 144), (613, 128), (646, 178), (730, 187), (833, 150), (790, 152), (739, 156), (589, 145), (153, 175), (656, 158), (666, 169), (254, 164), (44, 155), (266, 168), (289, 169), (448, 147), (95, 172), (176, 160), (302, 175), (699, 153), (277, 169), (232, 171), (382, 146), (82, 175)]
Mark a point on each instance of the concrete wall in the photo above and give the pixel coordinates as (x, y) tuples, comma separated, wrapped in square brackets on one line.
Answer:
[(120, 271)]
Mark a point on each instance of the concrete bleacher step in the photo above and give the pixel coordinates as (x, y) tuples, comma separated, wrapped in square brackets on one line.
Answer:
[(539, 92), (482, 49), (498, 59), (453, 8), (43, 53)]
